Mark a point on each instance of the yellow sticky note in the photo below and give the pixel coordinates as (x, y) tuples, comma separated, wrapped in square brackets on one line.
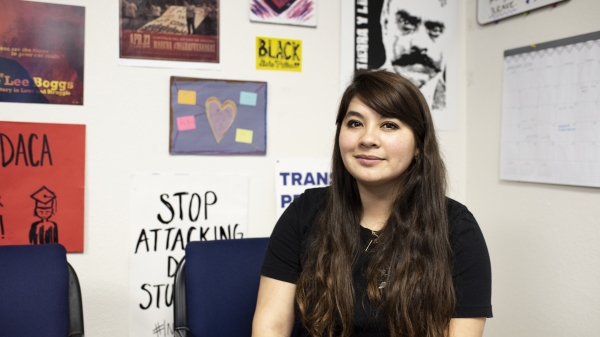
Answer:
[(244, 136), (186, 97), (278, 54)]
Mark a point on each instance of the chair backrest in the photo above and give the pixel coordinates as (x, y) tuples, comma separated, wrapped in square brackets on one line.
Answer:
[(221, 286), (34, 291)]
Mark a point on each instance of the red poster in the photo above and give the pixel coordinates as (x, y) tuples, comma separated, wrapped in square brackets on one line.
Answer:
[(42, 184), (41, 52), (172, 30)]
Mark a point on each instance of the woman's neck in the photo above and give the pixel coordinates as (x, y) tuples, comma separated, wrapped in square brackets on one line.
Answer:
[(376, 203)]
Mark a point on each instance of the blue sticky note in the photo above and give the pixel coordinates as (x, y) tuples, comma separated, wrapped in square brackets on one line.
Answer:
[(248, 98)]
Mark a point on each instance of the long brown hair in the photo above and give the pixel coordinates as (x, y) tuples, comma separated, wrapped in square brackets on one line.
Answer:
[(413, 247)]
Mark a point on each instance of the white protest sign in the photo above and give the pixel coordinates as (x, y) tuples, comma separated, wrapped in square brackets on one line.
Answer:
[(294, 175), (167, 212)]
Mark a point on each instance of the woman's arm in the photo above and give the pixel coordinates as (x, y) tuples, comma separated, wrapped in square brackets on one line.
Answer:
[(466, 327), (274, 315)]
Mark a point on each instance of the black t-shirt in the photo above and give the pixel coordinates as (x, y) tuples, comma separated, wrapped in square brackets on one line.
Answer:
[(472, 277)]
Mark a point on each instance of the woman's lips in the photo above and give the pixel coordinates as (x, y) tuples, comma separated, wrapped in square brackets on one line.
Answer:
[(368, 159)]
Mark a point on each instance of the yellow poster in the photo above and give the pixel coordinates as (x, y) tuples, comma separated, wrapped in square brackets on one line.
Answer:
[(278, 54)]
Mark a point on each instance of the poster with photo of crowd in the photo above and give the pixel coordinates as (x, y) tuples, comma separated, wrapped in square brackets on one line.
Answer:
[(417, 39), (158, 32)]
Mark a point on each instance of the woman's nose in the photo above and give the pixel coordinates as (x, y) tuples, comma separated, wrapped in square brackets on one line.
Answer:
[(369, 138)]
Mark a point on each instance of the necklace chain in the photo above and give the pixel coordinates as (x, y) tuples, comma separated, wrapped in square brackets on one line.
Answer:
[(372, 240)]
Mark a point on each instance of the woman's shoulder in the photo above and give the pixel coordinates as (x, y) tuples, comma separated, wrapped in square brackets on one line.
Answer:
[(464, 231), (315, 195), (308, 203), (460, 219), (455, 208)]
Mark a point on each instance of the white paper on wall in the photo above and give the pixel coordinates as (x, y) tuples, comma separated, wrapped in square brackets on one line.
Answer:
[(167, 212), (294, 175), (551, 112), (494, 10)]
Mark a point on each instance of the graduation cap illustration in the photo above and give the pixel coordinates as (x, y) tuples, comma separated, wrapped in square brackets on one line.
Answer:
[(44, 198)]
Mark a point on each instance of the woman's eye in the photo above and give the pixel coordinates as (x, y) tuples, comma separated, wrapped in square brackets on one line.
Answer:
[(389, 125), (353, 124)]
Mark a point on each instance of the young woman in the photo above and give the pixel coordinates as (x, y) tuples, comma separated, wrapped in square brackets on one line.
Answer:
[(382, 251)]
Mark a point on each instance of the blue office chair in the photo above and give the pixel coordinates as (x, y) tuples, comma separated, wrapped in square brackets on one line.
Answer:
[(39, 293), (216, 288)]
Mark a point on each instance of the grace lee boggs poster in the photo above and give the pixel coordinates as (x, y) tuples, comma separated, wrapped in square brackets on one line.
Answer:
[(169, 30), (167, 212), (414, 38), (42, 184), (41, 52)]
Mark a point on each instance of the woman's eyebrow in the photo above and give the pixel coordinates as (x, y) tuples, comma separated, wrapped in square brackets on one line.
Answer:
[(354, 114)]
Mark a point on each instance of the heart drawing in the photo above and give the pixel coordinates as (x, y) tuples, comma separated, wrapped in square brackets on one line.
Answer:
[(279, 6), (220, 116)]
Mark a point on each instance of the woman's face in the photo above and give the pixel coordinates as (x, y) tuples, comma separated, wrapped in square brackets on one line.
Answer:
[(376, 150)]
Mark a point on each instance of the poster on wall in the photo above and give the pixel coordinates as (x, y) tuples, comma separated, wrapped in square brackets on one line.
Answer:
[(494, 10), (42, 184), (219, 117), (414, 38), (551, 112), (167, 212), (294, 175), (169, 33), (287, 12), (41, 52)]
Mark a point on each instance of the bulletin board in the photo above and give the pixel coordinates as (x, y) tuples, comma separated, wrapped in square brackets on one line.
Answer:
[(551, 112)]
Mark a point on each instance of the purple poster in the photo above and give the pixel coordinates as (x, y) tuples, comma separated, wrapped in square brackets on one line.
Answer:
[(218, 117)]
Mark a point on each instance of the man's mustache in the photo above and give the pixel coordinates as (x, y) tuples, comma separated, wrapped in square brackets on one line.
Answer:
[(417, 57)]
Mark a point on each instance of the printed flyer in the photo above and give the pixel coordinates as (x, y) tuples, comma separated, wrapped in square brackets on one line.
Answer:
[(170, 30), (42, 170), (41, 52)]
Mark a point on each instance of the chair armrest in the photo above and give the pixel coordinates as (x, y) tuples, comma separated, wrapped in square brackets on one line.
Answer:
[(75, 305), (182, 332), (180, 303)]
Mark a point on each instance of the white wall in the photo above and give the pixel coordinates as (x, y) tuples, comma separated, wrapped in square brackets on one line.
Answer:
[(126, 111), (543, 239)]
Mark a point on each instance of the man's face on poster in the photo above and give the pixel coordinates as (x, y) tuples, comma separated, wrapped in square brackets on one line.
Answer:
[(413, 34)]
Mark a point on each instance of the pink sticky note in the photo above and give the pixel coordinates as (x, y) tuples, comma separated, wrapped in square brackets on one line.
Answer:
[(186, 123)]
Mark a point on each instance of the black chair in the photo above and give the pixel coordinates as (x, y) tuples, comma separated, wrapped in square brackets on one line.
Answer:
[(217, 286), (39, 293)]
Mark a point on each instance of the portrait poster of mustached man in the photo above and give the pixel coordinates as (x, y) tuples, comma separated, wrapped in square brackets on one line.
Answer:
[(417, 39)]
